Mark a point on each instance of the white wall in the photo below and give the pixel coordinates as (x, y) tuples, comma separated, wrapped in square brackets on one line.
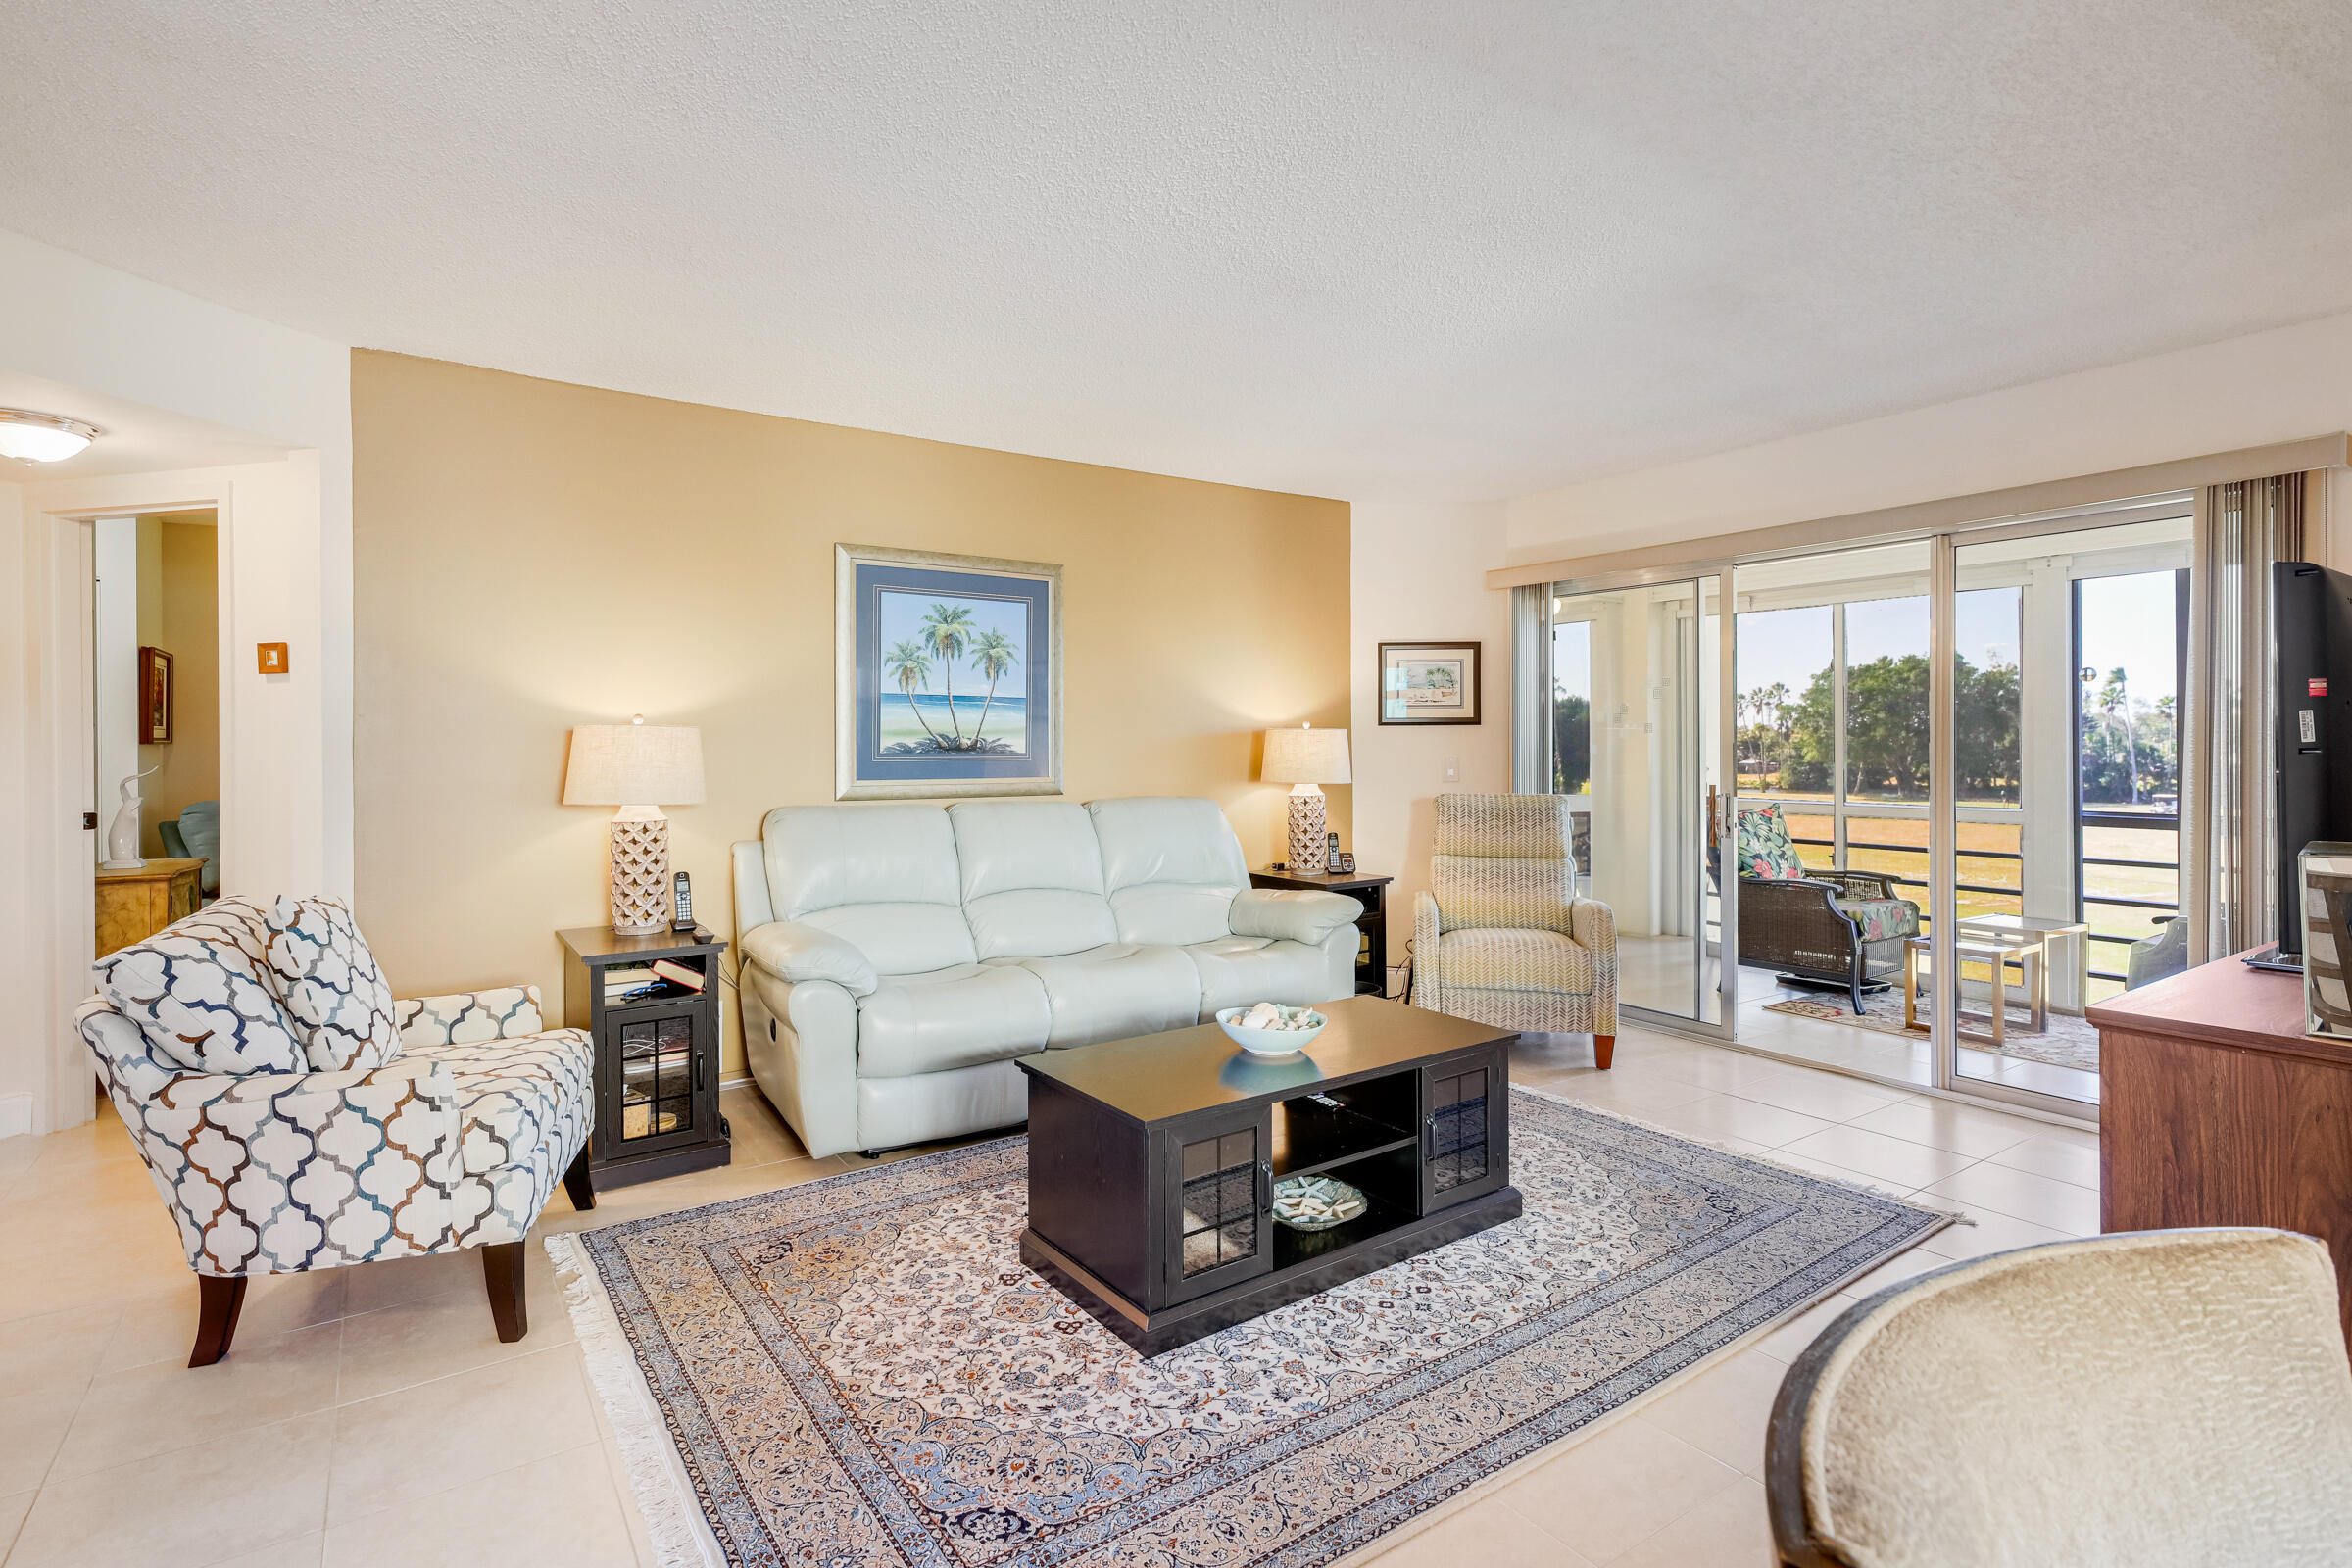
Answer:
[(1416, 573), (2278, 385), (286, 577)]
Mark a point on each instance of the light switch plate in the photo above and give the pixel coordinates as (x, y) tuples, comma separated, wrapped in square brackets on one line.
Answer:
[(1453, 770)]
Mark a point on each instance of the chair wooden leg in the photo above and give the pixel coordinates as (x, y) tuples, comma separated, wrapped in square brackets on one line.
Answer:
[(577, 1184), (219, 1302), (501, 1272), (1603, 1047)]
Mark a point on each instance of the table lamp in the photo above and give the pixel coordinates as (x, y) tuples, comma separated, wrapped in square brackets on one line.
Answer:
[(639, 767), (1309, 759)]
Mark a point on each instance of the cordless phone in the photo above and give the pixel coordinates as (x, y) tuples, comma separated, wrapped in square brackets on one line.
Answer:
[(684, 898)]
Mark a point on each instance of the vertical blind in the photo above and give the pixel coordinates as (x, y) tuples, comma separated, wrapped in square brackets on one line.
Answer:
[(2229, 860)]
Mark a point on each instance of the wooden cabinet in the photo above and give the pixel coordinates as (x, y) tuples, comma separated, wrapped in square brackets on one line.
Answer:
[(1154, 1163), (136, 902), (2215, 1109), (657, 1058)]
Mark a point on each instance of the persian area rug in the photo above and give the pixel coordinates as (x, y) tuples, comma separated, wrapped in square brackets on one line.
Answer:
[(861, 1370), (2068, 1041)]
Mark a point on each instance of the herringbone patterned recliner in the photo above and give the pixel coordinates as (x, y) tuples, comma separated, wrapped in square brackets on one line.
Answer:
[(296, 1117), (1502, 936)]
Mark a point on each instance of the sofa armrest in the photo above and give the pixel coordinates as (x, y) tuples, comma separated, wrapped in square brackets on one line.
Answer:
[(1291, 916), (795, 953), (461, 1018), (1592, 926)]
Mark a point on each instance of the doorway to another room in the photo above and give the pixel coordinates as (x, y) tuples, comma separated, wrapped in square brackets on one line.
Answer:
[(156, 683)]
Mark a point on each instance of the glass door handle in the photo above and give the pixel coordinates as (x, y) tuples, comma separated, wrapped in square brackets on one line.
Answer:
[(1265, 1185)]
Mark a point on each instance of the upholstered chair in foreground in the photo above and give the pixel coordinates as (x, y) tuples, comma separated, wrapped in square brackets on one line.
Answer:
[(296, 1117), (2148, 1400), (1501, 935)]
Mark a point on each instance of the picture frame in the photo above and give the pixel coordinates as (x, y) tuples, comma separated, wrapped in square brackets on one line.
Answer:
[(1431, 683), (947, 675), (155, 697)]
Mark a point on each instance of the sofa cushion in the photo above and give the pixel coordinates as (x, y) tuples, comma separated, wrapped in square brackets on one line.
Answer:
[(200, 993), (1512, 958), (1116, 990), (1171, 865), (1236, 971), (883, 878), (953, 1017), (518, 1096), (1032, 877), (330, 985)]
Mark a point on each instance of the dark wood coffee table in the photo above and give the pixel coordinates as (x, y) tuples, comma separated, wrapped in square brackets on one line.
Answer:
[(1153, 1162)]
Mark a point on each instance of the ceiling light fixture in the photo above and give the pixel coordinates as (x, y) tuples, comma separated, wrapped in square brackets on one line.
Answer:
[(31, 437)]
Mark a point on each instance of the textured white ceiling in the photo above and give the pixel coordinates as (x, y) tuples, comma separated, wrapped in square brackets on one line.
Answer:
[(1345, 247)]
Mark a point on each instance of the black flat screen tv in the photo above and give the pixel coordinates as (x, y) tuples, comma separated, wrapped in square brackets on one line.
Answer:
[(2311, 615)]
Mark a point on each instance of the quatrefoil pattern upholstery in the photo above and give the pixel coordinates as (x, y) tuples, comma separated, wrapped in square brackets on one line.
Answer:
[(200, 992), (452, 1143), (334, 993)]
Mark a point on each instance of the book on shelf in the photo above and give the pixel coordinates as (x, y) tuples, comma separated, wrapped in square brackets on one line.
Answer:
[(678, 974)]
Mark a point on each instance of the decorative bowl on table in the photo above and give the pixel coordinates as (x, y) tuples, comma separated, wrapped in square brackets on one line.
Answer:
[(1316, 1202), (1270, 1029)]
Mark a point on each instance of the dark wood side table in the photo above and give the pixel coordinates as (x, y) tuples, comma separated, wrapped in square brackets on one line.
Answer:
[(657, 1058), (2215, 1109), (1372, 949)]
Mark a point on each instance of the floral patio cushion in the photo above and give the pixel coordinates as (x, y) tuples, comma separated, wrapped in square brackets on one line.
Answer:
[(1878, 919), (1765, 849)]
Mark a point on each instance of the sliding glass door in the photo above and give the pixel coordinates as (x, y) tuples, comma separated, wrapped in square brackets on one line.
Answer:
[(2066, 676), (1907, 812), (1634, 734)]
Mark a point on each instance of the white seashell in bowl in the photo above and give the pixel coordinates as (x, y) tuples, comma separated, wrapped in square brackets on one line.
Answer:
[(1271, 1029)]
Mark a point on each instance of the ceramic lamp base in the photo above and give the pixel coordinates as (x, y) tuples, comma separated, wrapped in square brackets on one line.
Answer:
[(1308, 845), (640, 875)]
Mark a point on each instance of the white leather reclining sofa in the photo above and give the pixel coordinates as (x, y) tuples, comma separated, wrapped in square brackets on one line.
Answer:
[(897, 959)]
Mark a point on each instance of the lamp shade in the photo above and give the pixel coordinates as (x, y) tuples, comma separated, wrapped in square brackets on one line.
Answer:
[(634, 764), (1305, 756)]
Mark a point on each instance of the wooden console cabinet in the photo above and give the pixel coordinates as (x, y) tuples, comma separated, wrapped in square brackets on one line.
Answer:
[(2216, 1109), (136, 902)]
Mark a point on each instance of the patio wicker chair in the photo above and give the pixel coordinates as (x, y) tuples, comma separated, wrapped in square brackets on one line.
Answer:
[(1820, 928)]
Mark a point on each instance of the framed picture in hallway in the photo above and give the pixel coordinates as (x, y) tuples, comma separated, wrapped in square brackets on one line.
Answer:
[(155, 697), (1429, 683), (946, 675)]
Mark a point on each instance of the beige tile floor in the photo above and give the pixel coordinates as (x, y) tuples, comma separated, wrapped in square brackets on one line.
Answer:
[(371, 1416)]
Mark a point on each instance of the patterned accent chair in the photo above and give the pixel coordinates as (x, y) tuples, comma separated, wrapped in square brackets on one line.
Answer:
[(295, 1117), (1501, 935), (1835, 928)]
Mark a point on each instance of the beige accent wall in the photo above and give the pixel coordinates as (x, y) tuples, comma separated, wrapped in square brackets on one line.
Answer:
[(529, 555), (179, 612), (1419, 575)]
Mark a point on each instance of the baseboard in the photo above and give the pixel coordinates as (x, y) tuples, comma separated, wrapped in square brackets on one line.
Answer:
[(16, 1115)]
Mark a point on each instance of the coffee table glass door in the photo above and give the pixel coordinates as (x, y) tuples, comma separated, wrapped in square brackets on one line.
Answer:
[(1223, 1178)]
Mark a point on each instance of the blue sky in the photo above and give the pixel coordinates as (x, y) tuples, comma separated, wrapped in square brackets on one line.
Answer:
[(901, 617)]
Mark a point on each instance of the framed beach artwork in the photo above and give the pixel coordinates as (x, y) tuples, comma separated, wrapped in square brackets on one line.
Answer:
[(946, 677), (1429, 683)]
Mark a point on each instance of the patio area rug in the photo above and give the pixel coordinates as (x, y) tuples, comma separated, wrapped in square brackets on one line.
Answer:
[(2068, 1041), (859, 1370)]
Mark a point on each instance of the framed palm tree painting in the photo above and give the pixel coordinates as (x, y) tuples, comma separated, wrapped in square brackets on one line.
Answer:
[(947, 675)]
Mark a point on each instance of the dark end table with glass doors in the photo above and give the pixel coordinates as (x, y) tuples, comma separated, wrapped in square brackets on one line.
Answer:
[(1153, 1162), (656, 1054)]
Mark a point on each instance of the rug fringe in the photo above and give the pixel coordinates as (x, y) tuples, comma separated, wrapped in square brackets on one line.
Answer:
[(673, 1521), (1952, 1216)]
